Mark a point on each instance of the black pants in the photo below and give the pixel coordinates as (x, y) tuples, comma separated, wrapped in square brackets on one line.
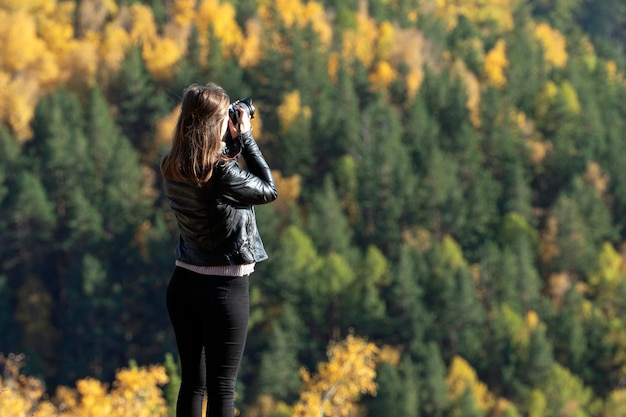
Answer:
[(210, 319)]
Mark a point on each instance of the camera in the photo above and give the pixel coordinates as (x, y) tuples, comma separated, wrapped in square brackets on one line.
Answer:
[(245, 104), (232, 146)]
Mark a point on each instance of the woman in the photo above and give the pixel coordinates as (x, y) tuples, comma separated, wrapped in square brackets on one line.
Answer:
[(212, 198)]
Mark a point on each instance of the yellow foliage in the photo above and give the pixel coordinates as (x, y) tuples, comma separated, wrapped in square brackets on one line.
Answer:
[(18, 97), (315, 14), (520, 328), (498, 13), (294, 13), (532, 320), (40, 52), (91, 15), (472, 86), (615, 404), (183, 11), (288, 192), (220, 18), (603, 284), (45, 6), (390, 46), (251, 48), (143, 28), (390, 354), (290, 110), (70, 59), (613, 73), (360, 43), (414, 80), (412, 49), (290, 11), (515, 325), (564, 95), (383, 75), (386, 40), (333, 66), (135, 392), (57, 29), (160, 56), (611, 69), (554, 44), (570, 97), (80, 62), (164, 128), (339, 383), (461, 377), (495, 64), (20, 396), (5, 80), (21, 47), (537, 404), (452, 254), (289, 188), (113, 45)]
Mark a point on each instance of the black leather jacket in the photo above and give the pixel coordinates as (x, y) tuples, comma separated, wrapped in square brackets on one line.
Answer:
[(217, 222)]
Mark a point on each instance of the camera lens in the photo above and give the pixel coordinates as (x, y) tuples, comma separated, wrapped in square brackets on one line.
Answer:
[(245, 104)]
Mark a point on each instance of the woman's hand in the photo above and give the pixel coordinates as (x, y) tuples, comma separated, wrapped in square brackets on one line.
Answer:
[(244, 124)]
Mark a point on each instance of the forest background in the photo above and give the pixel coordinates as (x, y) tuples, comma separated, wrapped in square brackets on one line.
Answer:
[(451, 188)]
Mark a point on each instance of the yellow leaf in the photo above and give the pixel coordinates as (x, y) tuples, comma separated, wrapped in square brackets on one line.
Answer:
[(489, 13), (461, 377), (291, 110), (554, 44), (113, 45), (251, 48), (183, 11), (495, 64), (361, 42), (340, 382), (383, 75), (160, 55)]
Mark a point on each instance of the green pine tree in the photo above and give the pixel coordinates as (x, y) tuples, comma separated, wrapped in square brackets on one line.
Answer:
[(434, 400), (139, 102), (327, 224), (173, 384), (278, 367)]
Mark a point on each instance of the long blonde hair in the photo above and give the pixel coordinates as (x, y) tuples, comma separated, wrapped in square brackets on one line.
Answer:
[(197, 143)]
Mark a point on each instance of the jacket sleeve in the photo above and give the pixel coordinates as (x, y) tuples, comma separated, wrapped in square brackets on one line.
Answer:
[(253, 185)]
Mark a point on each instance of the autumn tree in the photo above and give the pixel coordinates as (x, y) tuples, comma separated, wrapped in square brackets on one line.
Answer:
[(339, 383), (135, 390)]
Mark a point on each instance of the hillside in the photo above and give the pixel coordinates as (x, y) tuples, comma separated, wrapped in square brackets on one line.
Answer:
[(450, 177)]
